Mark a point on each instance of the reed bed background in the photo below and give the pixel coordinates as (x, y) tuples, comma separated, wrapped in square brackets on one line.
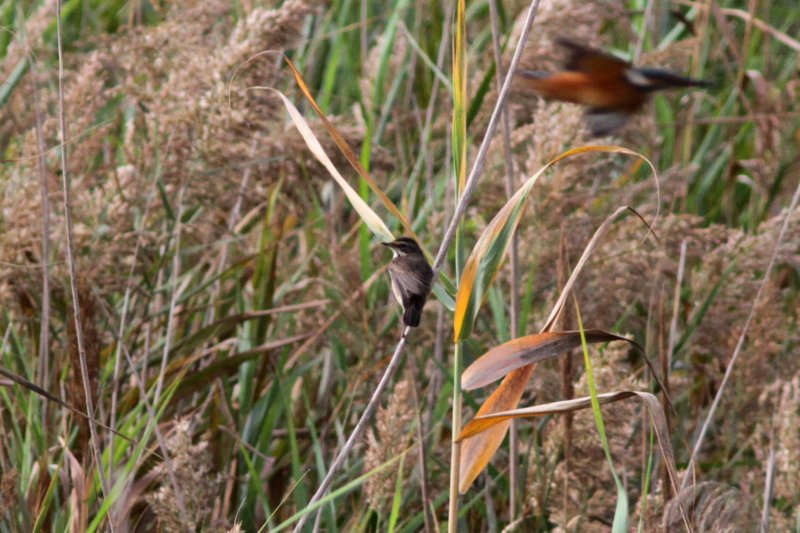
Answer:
[(222, 310)]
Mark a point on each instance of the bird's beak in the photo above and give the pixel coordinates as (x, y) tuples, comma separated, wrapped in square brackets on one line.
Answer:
[(533, 74), (388, 244)]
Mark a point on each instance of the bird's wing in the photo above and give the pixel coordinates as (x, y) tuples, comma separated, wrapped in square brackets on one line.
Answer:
[(410, 280), (586, 59)]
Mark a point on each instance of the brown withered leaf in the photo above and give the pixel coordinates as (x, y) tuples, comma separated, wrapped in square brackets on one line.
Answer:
[(522, 351)]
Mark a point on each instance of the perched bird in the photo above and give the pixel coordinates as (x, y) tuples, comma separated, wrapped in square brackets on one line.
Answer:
[(612, 88), (412, 278)]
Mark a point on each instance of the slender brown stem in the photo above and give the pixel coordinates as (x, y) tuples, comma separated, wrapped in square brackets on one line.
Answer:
[(740, 343), (122, 323), (513, 437), (666, 486), (44, 334), (676, 303), (567, 368), (73, 274), (421, 449), (769, 483), (176, 267)]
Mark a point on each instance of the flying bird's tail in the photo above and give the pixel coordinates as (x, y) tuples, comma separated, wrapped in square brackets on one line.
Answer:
[(653, 79)]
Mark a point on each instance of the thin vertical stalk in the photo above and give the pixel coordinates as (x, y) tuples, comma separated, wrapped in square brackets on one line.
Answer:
[(459, 155), (455, 450), (740, 343), (491, 515), (233, 219), (688, 139), (421, 448), (480, 158), (513, 437), (176, 267), (466, 191), (44, 333), (769, 484), (566, 364), (676, 303), (362, 13), (122, 323), (73, 274), (666, 486), (439, 344), (425, 157), (647, 24)]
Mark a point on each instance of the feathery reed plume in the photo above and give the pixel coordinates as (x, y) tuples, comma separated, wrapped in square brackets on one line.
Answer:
[(712, 506), (193, 471), (392, 437)]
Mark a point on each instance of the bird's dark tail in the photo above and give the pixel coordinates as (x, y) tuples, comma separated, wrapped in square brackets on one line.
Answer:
[(413, 312), (657, 79)]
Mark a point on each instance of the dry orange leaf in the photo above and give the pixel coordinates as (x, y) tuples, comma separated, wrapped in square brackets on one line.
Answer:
[(522, 351), (477, 452)]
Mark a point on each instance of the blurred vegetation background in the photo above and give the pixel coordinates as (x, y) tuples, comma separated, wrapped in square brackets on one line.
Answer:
[(236, 314)]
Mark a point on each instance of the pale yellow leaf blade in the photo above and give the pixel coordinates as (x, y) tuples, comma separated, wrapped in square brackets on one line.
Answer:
[(484, 422), (370, 218), (347, 151)]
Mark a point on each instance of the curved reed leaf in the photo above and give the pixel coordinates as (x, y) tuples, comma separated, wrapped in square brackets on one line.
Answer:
[(348, 151), (487, 256), (479, 424), (370, 218), (476, 452)]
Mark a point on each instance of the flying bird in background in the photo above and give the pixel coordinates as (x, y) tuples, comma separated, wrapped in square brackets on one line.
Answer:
[(412, 278), (612, 89)]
